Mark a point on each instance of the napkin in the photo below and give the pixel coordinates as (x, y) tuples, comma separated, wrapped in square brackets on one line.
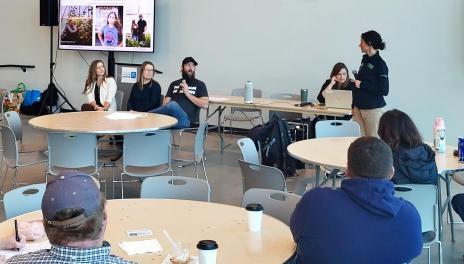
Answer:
[(141, 247)]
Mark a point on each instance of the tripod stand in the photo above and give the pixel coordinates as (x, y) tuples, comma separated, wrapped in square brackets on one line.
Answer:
[(52, 91)]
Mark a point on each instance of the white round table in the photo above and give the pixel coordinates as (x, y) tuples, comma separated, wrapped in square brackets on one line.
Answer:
[(99, 122), (190, 222)]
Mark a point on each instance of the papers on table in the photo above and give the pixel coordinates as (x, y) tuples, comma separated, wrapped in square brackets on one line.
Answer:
[(141, 247), (218, 99), (124, 116), (30, 247)]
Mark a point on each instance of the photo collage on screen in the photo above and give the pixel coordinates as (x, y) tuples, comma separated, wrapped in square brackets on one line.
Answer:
[(108, 25)]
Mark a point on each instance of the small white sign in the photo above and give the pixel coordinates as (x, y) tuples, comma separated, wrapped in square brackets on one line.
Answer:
[(128, 75)]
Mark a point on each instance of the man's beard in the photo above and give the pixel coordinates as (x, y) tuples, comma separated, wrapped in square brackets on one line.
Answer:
[(188, 77)]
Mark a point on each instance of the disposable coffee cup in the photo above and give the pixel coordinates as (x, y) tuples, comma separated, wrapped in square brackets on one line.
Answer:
[(255, 216), (207, 251), (304, 95)]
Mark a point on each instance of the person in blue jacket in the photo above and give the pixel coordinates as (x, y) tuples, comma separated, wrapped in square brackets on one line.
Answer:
[(371, 84), (414, 161), (361, 222)]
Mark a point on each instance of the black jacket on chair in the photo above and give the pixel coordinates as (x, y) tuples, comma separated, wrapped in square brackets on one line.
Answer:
[(415, 165)]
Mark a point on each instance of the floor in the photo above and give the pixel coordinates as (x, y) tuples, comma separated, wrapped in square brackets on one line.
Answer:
[(225, 180)]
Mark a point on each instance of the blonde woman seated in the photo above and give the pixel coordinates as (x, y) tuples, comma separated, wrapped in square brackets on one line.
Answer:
[(99, 90)]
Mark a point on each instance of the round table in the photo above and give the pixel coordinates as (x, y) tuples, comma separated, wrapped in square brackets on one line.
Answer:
[(103, 122), (189, 222)]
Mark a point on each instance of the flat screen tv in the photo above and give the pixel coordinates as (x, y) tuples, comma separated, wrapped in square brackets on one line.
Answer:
[(107, 25)]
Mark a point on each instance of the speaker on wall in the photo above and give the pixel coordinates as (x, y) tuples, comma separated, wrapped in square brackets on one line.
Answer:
[(49, 12)]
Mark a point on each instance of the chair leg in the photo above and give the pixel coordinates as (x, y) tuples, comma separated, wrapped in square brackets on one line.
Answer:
[(13, 180), (440, 253), (196, 171), (122, 187), (204, 169)]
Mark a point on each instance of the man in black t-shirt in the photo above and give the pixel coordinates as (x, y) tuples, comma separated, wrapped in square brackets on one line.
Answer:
[(141, 26), (188, 92)]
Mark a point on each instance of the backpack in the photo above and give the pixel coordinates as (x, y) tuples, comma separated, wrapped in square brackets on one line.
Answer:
[(273, 139)]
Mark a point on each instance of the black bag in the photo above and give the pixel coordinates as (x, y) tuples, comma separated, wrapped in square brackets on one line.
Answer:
[(273, 139)]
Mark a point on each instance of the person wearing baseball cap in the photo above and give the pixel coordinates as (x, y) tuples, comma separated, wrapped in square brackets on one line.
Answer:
[(188, 92), (74, 218)]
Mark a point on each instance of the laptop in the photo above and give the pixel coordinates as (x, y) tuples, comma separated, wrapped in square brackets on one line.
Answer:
[(338, 99)]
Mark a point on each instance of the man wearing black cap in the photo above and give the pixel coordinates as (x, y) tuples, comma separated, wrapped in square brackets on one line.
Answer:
[(74, 218), (190, 93)]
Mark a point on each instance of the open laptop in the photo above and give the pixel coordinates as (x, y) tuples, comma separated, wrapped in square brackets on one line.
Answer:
[(338, 99)]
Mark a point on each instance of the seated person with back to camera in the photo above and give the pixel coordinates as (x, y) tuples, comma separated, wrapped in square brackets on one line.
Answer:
[(362, 221), (188, 93)]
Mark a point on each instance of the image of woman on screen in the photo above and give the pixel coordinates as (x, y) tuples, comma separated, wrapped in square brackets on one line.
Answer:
[(111, 33), (134, 31), (100, 89), (70, 35)]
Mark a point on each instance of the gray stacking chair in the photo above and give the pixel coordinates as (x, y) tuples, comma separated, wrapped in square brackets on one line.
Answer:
[(23, 200), (425, 198), (198, 154), (336, 128), (261, 176), (13, 158), (175, 187), (249, 151), (275, 203), (145, 154), (13, 121), (119, 96)]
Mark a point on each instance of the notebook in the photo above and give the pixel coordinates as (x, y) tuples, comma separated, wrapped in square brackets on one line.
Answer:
[(338, 99)]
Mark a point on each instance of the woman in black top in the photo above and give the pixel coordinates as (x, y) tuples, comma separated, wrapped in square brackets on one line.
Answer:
[(371, 84), (146, 93), (339, 80), (414, 161)]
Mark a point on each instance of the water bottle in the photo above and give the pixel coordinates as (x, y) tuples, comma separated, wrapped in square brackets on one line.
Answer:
[(439, 135), (248, 98)]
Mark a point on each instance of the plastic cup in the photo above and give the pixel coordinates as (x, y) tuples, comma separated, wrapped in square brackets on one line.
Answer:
[(255, 217), (207, 251)]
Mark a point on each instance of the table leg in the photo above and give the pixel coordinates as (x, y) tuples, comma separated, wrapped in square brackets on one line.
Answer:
[(221, 138), (448, 203), (440, 209), (318, 174)]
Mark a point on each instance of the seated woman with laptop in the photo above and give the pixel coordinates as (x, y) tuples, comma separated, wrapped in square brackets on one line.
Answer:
[(339, 80)]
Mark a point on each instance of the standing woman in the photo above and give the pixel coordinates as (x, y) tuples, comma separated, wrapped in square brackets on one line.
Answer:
[(146, 92), (371, 84), (99, 89)]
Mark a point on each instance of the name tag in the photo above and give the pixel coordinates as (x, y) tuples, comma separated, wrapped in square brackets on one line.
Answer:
[(370, 66)]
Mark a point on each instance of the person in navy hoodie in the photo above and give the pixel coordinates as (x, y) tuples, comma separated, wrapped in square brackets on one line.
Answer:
[(362, 222), (414, 161)]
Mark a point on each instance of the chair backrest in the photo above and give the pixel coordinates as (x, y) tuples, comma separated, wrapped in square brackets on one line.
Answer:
[(337, 128), (249, 151), (23, 200), (257, 93), (119, 99), (275, 203), (175, 187), (14, 122), (147, 149), (10, 147), (261, 176), (286, 115), (200, 136), (71, 151), (425, 198)]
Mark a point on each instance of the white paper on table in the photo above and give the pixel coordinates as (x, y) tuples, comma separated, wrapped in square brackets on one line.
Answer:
[(128, 75), (124, 116), (141, 247), (220, 99), (30, 247)]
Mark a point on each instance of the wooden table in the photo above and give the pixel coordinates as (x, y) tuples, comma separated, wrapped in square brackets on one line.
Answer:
[(189, 222), (97, 122), (282, 105), (332, 153)]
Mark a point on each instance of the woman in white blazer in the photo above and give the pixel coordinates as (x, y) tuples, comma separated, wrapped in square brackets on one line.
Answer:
[(99, 89)]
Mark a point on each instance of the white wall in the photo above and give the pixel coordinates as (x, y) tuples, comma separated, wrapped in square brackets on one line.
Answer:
[(279, 45)]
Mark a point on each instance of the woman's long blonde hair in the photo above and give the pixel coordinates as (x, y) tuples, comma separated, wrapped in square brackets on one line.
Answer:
[(92, 77)]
